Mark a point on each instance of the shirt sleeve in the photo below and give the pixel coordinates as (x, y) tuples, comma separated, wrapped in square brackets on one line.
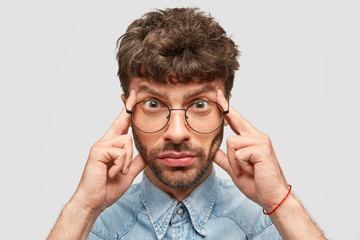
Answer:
[(269, 233)]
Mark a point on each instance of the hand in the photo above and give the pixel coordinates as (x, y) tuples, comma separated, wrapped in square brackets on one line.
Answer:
[(109, 170), (251, 161)]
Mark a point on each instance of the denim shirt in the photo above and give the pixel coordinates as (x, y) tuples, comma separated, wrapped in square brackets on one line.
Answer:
[(216, 209)]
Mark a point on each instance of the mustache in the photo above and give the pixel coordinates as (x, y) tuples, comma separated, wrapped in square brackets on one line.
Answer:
[(181, 147), (176, 147)]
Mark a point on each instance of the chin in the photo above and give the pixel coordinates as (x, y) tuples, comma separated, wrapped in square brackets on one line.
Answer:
[(180, 177)]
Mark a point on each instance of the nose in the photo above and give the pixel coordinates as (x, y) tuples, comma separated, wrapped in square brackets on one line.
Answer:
[(177, 130)]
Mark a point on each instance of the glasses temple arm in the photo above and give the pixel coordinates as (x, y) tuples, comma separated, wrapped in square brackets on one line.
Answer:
[(128, 111), (227, 111)]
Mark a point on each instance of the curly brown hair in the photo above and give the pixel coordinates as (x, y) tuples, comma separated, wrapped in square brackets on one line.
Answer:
[(176, 45)]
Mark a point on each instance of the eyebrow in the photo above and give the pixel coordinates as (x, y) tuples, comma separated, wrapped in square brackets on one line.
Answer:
[(147, 89), (206, 88), (165, 95)]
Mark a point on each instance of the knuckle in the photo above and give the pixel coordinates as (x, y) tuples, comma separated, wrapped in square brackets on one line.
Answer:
[(124, 139), (121, 153), (95, 148), (120, 157), (230, 141), (266, 137), (97, 152), (128, 138), (266, 148), (240, 154)]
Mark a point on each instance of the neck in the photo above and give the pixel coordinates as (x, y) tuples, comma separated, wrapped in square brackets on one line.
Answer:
[(178, 193)]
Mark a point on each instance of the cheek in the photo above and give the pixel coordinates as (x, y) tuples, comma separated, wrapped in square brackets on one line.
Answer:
[(207, 141), (148, 140), (217, 140)]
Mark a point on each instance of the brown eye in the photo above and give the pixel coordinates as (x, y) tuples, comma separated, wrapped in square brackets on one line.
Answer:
[(200, 104), (152, 104)]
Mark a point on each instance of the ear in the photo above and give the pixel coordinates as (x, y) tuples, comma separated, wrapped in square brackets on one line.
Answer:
[(225, 122), (123, 98)]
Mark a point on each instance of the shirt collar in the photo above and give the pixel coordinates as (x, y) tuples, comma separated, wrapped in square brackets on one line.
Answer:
[(160, 206)]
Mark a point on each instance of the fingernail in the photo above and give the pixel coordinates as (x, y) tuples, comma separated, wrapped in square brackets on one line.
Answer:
[(132, 92), (126, 171), (221, 92)]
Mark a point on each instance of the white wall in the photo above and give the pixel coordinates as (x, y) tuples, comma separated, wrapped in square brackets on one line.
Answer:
[(298, 82)]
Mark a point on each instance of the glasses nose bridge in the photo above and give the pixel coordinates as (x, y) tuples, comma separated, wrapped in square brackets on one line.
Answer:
[(179, 119), (177, 109)]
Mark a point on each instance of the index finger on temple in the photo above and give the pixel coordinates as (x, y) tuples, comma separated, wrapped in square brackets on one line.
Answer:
[(237, 122), (122, 122)]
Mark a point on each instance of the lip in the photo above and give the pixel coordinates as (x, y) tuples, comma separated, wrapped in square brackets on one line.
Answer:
[(175, 159)]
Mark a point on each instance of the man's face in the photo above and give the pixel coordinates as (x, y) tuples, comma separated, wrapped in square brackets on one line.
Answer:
[(177, 156)]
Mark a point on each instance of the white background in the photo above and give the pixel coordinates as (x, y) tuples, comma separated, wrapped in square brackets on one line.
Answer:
[(298, 82)]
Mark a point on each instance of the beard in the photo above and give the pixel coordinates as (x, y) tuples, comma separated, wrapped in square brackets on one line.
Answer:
[(179, 177)]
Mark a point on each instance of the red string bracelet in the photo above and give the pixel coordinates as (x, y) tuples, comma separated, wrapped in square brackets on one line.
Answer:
[(279, 203)]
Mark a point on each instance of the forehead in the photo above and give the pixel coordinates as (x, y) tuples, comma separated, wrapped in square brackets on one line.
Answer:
[(145, 87)]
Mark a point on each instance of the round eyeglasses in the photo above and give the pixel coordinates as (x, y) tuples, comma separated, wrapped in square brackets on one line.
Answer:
[(202, 116)]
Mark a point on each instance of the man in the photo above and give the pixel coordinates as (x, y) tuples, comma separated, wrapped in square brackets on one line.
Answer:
[(176, 68)]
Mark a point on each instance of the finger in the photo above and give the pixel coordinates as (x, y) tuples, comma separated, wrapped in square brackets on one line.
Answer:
[(129, 155), (122, 122), (238, 142), (222, 160), (118, 141), (118, 163), (123, 142), (234, 164), (237, 122), (105, 155), (137, 165), (243, 157)]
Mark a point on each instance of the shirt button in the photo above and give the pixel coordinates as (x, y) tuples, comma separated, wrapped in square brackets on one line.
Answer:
[(180, 211)]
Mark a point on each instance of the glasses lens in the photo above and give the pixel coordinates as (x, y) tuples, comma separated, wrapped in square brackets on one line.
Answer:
[(150, 115), (204, 116)]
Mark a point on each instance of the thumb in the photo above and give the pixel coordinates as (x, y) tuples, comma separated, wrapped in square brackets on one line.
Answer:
[(137, 165), (221, 159)]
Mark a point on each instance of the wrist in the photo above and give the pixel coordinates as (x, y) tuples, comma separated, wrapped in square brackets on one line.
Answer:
[(275, 207), (289, 206), (74, 223), (293, 222), (77, 206)]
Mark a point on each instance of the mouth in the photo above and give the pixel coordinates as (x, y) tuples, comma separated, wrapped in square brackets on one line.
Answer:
[(175, 159)]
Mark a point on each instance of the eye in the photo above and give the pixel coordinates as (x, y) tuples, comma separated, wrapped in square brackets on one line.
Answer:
[(200, 104), (152, 104)]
